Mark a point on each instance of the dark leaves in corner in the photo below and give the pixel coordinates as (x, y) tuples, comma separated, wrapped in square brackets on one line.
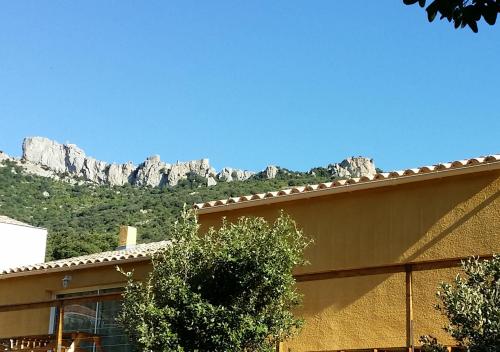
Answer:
[(461, 12)]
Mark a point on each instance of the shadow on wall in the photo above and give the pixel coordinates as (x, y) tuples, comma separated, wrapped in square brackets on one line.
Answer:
[(473, 214), (335, 320)]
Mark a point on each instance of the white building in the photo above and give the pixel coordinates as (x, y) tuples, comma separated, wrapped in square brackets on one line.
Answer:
[(20, 244)]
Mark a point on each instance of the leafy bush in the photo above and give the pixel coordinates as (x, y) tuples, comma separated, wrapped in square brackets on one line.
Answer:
[(472, 305), (430, 344), (231, 289)]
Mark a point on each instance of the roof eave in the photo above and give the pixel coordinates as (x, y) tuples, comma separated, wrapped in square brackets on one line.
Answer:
[(494, 165), (72, 267), (21, 224)]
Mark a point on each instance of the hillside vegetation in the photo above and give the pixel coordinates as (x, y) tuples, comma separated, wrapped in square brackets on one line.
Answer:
[(85, 218)]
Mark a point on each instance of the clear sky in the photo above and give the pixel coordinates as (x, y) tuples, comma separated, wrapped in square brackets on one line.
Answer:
[(248, 83)]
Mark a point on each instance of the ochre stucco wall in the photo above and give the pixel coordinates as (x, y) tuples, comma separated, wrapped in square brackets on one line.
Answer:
[(450, 217), (428, 320), (336, 313), (35, 288)]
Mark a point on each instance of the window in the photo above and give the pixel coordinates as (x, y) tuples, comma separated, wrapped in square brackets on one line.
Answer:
[(96, 318)]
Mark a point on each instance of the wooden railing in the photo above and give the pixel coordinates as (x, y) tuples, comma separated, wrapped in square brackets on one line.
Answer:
[(58, 342), (70, 342)]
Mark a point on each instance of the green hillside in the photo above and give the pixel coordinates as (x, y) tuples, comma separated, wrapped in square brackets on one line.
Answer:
[(84, 219)]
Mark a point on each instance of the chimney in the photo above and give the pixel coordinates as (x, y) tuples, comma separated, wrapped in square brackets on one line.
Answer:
[(127, 237)]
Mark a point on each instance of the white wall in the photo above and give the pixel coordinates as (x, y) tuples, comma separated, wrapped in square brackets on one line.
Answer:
[(21, 245)]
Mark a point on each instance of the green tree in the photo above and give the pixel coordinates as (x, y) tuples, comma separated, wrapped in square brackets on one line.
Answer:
[(472, 306), (229, 289), (461, 12)]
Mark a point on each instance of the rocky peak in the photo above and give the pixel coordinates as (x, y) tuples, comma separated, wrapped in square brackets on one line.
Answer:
[(45, 152), (229, 174), (353, 167), (71, 160), (271, 171), (151, 172)]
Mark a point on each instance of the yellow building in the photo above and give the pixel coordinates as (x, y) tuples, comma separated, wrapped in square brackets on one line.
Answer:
[(381, 247)]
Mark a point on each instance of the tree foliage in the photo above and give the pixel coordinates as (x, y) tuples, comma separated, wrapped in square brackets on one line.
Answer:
[(461, 12), (230, 289), (472, 305)]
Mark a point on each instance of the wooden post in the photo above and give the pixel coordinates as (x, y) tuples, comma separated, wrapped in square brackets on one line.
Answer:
[(59, 332), (278, 347), (409, 309)]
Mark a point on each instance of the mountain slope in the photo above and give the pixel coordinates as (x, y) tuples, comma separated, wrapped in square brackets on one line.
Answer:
[(84, 218)]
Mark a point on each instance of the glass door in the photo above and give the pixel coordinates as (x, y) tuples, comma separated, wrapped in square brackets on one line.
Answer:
[(113, 338), (97, 319)]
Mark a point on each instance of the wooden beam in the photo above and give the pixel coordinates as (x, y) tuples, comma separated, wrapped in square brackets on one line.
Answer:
[(385, 269), (278, 346), (60, 301), (409, 309), (60, 325), (341, 273)]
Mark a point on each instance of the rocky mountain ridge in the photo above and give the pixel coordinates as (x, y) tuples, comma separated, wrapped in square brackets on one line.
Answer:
[(44, 157)]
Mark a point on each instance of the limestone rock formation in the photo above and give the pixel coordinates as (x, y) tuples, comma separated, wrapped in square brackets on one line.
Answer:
[(43, 151), (225, 175), (48, 158), (68, 159), (271, 171), (74, 157), (242, 175), (121, 174), (44, 157), (229, 174), (211, 181), (353, 167), (181, 170), (151, 172)]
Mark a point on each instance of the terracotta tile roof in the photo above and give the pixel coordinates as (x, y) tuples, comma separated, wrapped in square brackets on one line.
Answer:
[(140, 251), (6, 220), (377, 180)]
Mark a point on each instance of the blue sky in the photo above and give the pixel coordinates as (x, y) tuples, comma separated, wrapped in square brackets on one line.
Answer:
[(248, 83)]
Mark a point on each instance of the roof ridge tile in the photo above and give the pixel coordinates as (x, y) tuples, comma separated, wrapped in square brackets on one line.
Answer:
[(292, 191)]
